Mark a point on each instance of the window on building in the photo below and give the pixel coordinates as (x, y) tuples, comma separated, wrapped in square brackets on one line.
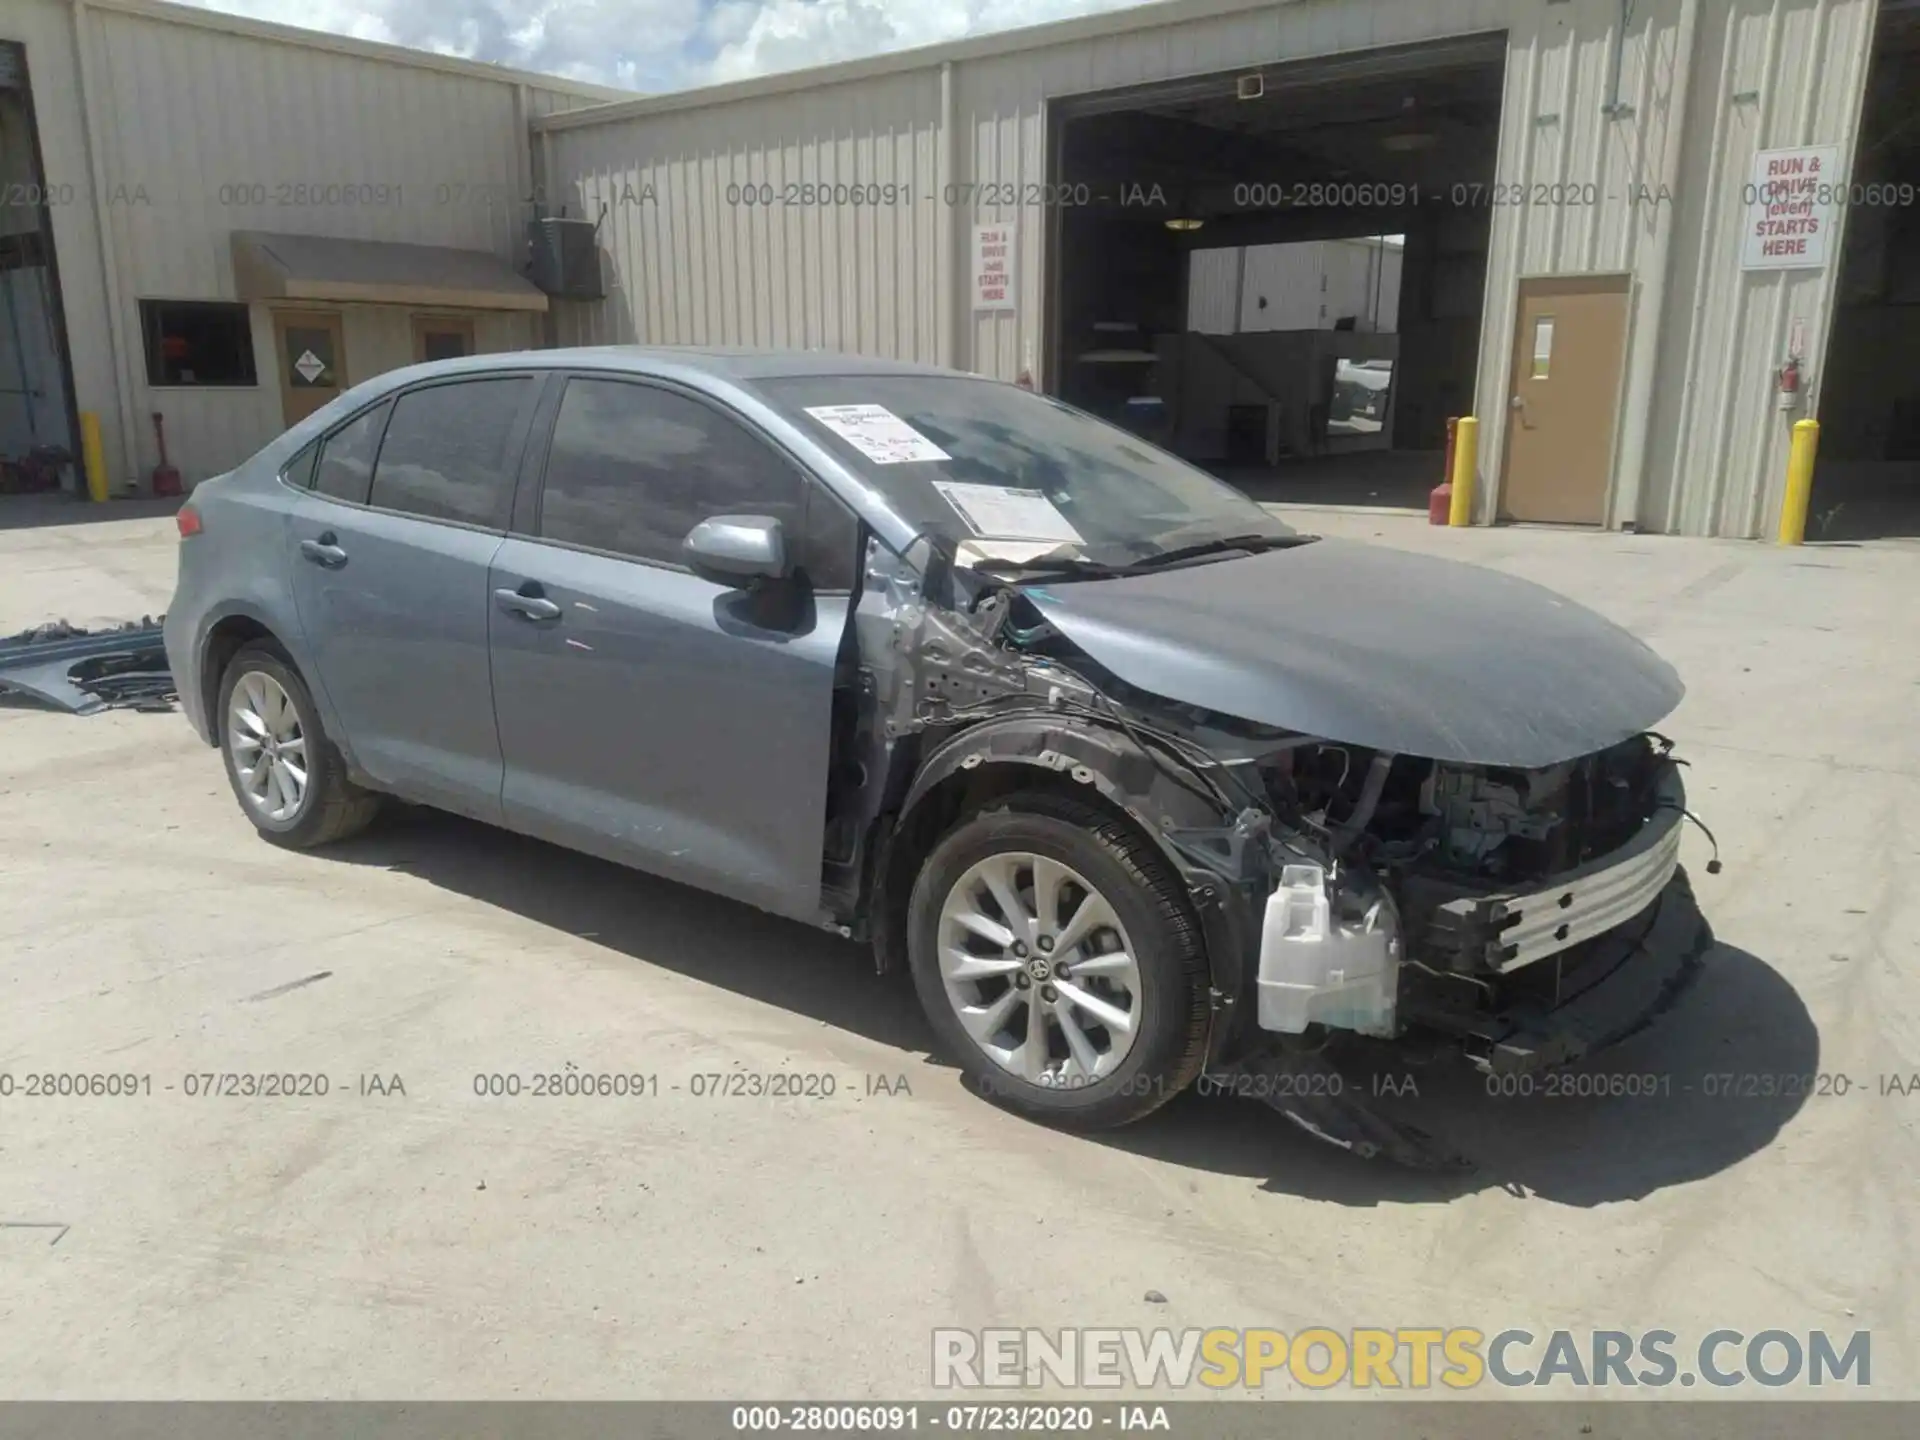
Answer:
[(449, 453), (197, 342), (439, 338), (346, 457), (632, 469)]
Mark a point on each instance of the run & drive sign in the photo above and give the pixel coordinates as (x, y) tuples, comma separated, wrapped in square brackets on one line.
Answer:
[(1790, 203)]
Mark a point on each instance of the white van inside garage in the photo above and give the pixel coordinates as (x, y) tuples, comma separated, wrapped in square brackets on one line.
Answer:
[(1280, 272)]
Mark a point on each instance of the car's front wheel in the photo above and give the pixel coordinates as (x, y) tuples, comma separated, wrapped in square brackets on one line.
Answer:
[(286, 775), (1060, 962)]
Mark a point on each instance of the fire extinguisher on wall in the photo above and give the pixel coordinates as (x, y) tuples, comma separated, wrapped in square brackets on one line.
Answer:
[(1789, 384)]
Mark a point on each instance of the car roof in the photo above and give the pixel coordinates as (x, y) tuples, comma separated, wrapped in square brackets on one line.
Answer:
[(738, 364)]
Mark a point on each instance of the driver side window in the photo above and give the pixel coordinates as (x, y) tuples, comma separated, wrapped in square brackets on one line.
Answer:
[(633, 468)]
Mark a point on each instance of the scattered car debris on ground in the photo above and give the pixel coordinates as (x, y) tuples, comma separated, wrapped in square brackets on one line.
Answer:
[(85, 671)]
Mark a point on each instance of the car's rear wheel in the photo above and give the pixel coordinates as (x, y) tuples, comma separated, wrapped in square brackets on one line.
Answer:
[(285, 773), (1060, 962)]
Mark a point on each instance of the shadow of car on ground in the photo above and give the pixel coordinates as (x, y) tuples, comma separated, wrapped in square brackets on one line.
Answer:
[(1711, 1082)]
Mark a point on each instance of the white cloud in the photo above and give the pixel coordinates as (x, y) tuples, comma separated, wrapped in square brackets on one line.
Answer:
[(660, 44), (791, 34)]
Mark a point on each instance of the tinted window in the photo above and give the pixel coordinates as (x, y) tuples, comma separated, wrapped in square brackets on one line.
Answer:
[(831, 552), (633, 469), (194, 342), (299, 470), (450, 453), (346, 457)]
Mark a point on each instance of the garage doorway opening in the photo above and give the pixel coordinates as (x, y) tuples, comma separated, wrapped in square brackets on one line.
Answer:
[(1279, 273), (1867, 480), (39, 431)]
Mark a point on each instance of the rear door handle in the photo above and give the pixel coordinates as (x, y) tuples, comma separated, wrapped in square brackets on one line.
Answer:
[(527, 607), (324, 552)]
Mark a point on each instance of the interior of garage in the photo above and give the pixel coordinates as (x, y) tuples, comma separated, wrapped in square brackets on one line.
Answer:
[(37, 446), (1867, 481), (1280, 274)]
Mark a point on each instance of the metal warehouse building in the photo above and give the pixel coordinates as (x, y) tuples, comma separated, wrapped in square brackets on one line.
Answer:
[(1141, 211), (1638, 239), (191, 203)]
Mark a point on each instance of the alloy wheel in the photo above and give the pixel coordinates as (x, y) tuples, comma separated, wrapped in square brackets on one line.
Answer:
[(268, 747), (1039, 970)]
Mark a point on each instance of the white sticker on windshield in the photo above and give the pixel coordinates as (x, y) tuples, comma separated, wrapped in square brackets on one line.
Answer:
[(877, 433), (1006, 513)]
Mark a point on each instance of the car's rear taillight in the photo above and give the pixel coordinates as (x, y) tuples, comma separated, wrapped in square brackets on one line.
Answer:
[(187, 520)]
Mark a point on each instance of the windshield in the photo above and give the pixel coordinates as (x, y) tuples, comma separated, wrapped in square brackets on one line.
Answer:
[(1000, 472)]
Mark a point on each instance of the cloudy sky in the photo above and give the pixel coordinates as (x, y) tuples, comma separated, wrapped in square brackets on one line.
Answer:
[(658, 45)]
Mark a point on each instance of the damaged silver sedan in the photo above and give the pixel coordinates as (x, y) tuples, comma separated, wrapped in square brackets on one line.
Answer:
[(1140, 784)]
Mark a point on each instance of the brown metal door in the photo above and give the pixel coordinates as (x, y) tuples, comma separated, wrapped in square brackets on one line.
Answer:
[(1567, 353), (313, 361)]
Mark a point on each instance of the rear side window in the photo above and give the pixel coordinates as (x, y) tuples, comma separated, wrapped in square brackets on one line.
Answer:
[(298, 471), (632, 469), (450, 452), (346, 457)]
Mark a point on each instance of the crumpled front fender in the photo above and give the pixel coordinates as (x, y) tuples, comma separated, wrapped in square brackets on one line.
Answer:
[(1221, 859)]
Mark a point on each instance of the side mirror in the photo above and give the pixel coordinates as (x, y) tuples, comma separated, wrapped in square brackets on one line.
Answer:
[(737, 550)]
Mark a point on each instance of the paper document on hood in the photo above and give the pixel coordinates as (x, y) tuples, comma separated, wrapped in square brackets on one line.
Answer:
[(971, 554), (1006, 513), (877, 433)]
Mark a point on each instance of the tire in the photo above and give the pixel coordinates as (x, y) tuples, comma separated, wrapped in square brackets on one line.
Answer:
[(1088, 856), (329, 807)]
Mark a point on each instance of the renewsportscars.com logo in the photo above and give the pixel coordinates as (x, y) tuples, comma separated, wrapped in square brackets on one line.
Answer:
[(1322, 1358)]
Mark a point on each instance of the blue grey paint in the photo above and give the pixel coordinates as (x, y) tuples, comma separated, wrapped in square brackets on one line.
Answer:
[(645, 713), (1378, 648)]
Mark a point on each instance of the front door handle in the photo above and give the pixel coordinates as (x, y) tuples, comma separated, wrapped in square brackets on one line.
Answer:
[(527, 607), (324, 551)]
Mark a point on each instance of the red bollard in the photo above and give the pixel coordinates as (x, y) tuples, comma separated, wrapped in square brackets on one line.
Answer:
[(1440, 499)]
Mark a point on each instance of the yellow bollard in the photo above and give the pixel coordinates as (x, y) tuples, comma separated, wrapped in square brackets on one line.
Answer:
[(1466, 464), (92, 456), (1793, 510)]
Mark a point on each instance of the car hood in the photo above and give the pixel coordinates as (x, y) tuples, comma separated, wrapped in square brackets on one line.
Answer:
[(1375, 647)]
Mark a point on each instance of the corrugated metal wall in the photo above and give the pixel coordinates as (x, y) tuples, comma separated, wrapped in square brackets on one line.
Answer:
[(1291, 280), (1764, 74), (1654, 193), (1768, 76), (1213, 291), (735, 224), (204, 133)]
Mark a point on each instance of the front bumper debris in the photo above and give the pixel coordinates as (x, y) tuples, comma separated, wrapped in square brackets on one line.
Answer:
[(83, 671), (1501, 933), (1630, 977)]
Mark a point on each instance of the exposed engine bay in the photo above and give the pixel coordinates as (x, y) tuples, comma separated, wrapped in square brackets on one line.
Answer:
[(1342, 889)]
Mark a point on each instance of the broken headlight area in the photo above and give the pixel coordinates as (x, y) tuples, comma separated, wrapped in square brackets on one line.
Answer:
[(1442, 897)]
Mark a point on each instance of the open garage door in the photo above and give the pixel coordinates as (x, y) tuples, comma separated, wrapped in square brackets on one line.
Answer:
[(1867, 481), (1280, 273)]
